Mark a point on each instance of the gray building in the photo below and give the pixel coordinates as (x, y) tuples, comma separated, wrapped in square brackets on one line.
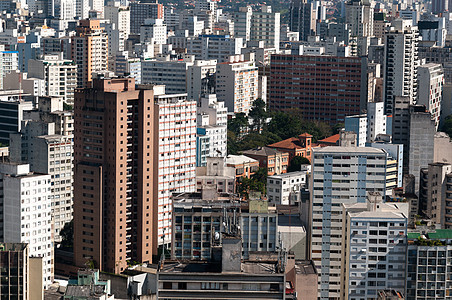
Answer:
[(11, 114)]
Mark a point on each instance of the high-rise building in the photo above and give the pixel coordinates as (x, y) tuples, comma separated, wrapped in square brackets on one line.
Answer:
[(142, 10), (265, 26), (360, 16), (373, 247), (219, 47), (153, 30), (428, 273), (325, 88), (357, 124), (400, 63), (242, 22), (302, 18), (120, 16), (45, 141), (26, 213), (82, 9), (211, 125), (115, 175), (237, 83), (340, 175), (60, 75), (200, 78), (89, 51), (376, 120), (440, 6), (176, 125), (11, 115), (14, 266), (439, 199), (430, 82)]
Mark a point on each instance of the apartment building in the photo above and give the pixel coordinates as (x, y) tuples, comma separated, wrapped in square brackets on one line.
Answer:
[(357, 124), (286, 188), (359, 15), (324, 88), (89, 51), (176, 124), (142, 10), (115, 173), (431, 81), (374, 247), (428, 274), (60, 75), (244, 166), (265, 26), (11, 115), (400, 63), (218, 47), (200, 78), (340, 175), (120, 16), (238, 83), (26, 213), (153, 30)]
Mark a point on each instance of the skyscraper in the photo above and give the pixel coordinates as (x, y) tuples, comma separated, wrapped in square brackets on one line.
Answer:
[(302, 18), (341, 175), (114, 175), (400, 63), (360, 16)]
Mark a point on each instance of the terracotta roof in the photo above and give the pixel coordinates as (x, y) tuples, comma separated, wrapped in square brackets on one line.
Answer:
[(305, 135), (330, 140), (290, 143)]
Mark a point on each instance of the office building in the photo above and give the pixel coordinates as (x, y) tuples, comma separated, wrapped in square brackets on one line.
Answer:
[(431, 81), (142, 10), (60, 75), (340, 175), (360, 16), (400, 63), (237, 83), (12, 110), (286, 188), (89, 51), (302, 18), (428, 274), (115, 173), (45, 141), (373, 247), (295, 84), (14, 266), (26, 213)]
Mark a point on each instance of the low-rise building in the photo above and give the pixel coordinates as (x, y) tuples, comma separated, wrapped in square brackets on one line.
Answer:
[(286, 188), (295, 146), (244, 166), (276, 162)]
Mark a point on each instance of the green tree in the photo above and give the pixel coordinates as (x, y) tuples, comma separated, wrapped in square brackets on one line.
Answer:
[(258, 114), (296, 162), (447, 126), (257, 182), (67, 106), (238, 124), (67, 235)]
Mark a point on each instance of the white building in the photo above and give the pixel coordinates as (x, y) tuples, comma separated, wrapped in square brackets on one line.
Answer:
[(218, 47), (430, 84), (285, 188), (340, 175), (211, 129), (360, 16), (26, 213), (265, 26), (191, 23), (10, 61), (120, 16), (46, 143), (237, 83), (195, 75), (60, 75), (374, 247), (357, 124), (153, 30), (400, 63), (177, 154), (376, 120), (167, 71)]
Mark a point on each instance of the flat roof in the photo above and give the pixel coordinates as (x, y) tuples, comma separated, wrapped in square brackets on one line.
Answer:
[(338, 149)]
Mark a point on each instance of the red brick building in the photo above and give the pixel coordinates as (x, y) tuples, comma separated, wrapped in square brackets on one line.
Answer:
[(324, 88), (295, 146)]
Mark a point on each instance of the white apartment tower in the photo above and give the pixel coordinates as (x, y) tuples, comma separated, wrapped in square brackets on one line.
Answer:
[(431, 80), (242, 22), (373, 247), (153, 30), (26, 213), (237, 83), (60, 75), (120, 16), (45, 142), (401, 63), (376, 120), (197, 76), (360, 16), (340, 175), (176, 154)]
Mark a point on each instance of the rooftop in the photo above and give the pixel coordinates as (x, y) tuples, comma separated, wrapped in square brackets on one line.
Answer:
[(305, 267), (331, 139), (247, 267), (293, 142), (239, 159), (265, 151), (337, 149)]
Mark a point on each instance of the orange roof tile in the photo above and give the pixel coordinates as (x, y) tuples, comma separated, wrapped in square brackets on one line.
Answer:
[(290, 143), (331, 139)]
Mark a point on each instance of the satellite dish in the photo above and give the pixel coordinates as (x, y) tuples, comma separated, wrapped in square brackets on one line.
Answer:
[(217, 236)]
